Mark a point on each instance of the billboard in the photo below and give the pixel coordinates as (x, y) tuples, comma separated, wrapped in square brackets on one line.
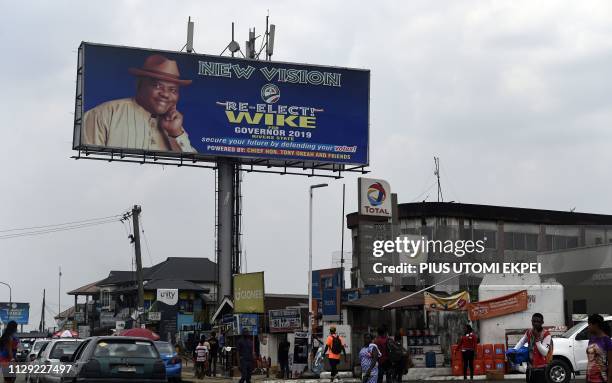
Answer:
[(139, 101), (249, 293), (286, 320), (374, 197), (19, 312)]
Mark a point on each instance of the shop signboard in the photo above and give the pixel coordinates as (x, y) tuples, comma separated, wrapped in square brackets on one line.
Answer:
[(249, 293), (286, 320), (374, 197), (506, 304), (331, 305), (249, 322), (168, 296)]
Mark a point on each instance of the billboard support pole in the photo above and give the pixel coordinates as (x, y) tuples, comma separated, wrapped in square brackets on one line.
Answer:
[(225, 202)]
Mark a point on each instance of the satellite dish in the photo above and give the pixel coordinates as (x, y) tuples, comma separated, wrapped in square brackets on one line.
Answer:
[(233, 46)]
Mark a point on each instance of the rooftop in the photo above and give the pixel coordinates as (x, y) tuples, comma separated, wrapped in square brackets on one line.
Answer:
[(489, 213)]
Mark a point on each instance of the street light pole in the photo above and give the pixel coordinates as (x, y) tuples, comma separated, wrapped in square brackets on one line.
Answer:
[(310, 313), (8, 313)]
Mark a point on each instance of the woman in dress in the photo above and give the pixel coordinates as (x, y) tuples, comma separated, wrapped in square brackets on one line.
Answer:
[(368, 357)]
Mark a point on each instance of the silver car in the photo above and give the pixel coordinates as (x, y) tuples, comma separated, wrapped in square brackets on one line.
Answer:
[(46, 366)]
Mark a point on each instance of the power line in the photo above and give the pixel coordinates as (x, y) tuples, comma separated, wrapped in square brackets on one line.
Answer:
[(57, 229), (62, 224)]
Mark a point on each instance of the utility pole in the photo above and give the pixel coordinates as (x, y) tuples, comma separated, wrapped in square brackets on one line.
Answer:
[(59, 292), (41, 327), (135, 215)]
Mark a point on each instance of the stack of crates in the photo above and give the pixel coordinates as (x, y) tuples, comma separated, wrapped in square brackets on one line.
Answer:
[(499, 351), (456, 360), (488, 357)]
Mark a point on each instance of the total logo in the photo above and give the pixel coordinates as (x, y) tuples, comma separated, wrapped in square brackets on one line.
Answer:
[(376, 197), (270, 93)]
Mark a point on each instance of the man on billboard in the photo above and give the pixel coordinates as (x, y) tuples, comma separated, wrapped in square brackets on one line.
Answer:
[(149, 120)]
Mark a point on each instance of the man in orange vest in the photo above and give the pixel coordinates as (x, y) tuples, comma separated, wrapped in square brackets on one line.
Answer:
[(334, 347), (540, 346)]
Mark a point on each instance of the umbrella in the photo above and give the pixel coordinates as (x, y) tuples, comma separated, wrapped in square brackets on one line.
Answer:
[(66, 334), (140, 332)]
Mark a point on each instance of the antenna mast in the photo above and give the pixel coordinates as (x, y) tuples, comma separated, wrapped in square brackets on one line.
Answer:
[(437, 174)]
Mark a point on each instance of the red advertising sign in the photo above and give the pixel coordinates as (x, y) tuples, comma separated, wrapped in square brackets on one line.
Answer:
[(499, 306)]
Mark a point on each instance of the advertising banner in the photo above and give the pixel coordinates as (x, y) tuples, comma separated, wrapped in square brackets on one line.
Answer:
[(331, 304), (374, 197), (168, 296), (249, 293), (249, 322), (19, 312), (148, 101), (456, 302), (287, 320), (499, 306)]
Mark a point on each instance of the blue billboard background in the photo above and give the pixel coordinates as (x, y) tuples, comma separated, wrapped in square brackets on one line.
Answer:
[(19, 312), (341, 123)]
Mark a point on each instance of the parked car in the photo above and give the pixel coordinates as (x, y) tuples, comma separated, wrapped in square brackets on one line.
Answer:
[(569, 352), (171, 359), (116, 359), (49, 359)]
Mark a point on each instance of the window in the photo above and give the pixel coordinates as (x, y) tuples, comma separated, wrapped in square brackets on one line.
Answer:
[(105, 298), (61, 349), (125, 349), (79, 351), (531, 242), (583, 335)]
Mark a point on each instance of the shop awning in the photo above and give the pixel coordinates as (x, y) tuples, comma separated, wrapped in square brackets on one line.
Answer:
[(378, 301)]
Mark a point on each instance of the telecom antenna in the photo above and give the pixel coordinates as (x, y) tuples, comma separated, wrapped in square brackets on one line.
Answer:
[(437, 174)]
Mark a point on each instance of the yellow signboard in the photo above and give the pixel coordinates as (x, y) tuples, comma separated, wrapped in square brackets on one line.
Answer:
[(249, 293), (455, 302)]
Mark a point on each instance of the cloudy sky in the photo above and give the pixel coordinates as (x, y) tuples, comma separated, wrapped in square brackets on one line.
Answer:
[(513, 96)]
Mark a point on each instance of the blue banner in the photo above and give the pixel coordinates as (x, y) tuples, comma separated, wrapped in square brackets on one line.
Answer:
[(331, 304), (210, 106), (248, 321), (19, 312)]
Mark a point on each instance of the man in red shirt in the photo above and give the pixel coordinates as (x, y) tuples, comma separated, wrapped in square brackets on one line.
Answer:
[(467, 345), (384, 362)]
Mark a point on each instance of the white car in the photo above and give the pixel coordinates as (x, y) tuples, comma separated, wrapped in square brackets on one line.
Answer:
[(569, 352), (36, 347), (49, 357)]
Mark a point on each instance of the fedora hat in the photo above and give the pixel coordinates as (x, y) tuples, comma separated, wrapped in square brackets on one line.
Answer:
[(161, 68)]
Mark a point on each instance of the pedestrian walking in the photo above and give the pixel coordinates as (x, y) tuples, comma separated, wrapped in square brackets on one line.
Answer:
[(201, 358), (540, 349), (467, 347), (599, 351), (398, 357), (334, 347), (8, 350), (283, 358), (214, 353), (368, 358), (385, 367), (246, 357)]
